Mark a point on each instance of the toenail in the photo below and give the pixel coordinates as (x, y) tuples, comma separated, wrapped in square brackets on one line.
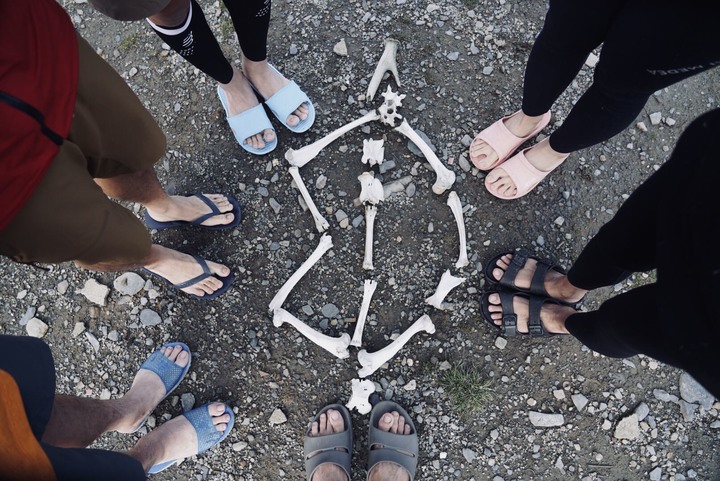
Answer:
[(335, 415)]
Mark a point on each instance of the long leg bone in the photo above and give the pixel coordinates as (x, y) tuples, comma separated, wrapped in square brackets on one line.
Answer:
[(447, 283), (368, 291), (323, 246), (337, 346), (371, 189), (320, 222), (445, 177), (371, 362), (388, 61), (370, 212), (373, 151), (302, 156), (361, 391), (456, 207)]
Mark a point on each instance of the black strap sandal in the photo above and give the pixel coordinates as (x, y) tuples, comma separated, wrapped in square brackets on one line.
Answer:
[(517, 262), (509, 318)]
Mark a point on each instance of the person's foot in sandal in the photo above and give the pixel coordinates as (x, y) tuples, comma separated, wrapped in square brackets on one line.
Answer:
[(556, 284), (177, 268), (552, 315), (190, 208), (392, 444), (327, 445)]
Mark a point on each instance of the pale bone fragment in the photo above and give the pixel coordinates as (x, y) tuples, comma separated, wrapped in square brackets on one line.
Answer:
[(321, 224), (388, 61), (368, 291), (448, 282), (337, 346), (445, 177), (388, 109), (396, 186), (373, 151), (370, 212), (300, 157), (371, 362), (371, 189), (323, 246), (456, 207), (361, 391)]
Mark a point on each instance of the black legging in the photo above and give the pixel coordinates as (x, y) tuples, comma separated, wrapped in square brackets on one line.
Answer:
[(647, 45), (670, 223)]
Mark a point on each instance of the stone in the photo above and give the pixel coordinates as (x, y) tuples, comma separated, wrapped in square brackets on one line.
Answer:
[(559, 394), (655, 118), (340, 48), (308, 310), (187, 401), (487, 70), (321, 182), (62, 287), (148, 317), (544, 420), (452, 56), (95, 292), (592, 60), (688, 410), (414, 148), (500, 342), (469, 455), (105, 394), (580, 401), (330, 310), (692, 392), (129, 283), (93, 341), (656, 474), (664, 396), (36, 328), (641, 411), (78, 329), (411, 385), (29, 314), (464, 163), (113, 336), (277, 417), (627, 428), (239, 446), (275, 205)]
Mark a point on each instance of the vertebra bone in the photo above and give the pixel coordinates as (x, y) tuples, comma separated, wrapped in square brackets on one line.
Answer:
[(388, 61), (447, 283), (371, 189), (361, 391), (445, 177), (320, 222), (373, 152), (388, 109), (456, 207), (370, 212), (337, 346), (368, 291), (371, 362), (323, 246)]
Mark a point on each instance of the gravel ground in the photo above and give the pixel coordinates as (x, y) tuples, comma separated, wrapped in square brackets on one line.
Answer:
[(461, 65)]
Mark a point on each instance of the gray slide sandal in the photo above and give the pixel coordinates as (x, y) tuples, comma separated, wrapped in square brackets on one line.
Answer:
[(332, 448), (400, 449)]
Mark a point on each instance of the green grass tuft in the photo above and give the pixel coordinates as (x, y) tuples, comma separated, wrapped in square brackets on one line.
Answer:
[(468, 391)]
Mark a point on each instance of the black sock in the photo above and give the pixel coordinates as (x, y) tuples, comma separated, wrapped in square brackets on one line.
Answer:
[(195, 42), (251, 19)]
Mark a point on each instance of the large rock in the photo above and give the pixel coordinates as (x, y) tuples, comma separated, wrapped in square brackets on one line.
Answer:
[(129, 283), (628, 428), (543, 420), (691, 391), (36, 328), (94, 292)]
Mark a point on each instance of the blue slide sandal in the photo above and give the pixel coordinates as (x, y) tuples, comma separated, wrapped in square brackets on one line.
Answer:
[(248, 123)]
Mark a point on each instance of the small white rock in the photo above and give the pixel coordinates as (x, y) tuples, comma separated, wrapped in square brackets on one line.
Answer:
[(93, 341), (36, 328), (559, 394), (628, 428), (592, 60), (655, 118), (78, 329), (544, 420), (277, 417), (94, 292), (340, 48), (500, 342)]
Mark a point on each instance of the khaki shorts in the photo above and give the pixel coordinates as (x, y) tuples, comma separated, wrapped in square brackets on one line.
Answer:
[(68, 217)]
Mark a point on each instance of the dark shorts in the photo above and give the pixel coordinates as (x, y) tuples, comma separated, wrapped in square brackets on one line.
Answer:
[(30, 363), (68, 217)]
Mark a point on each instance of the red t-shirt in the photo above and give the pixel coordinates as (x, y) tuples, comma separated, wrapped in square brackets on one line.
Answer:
[(39, 66)]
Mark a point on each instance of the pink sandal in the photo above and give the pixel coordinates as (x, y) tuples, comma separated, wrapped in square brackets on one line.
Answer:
[(503, 141)]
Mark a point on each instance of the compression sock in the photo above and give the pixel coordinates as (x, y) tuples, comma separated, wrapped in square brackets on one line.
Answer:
[(195, 42), (251, 19)]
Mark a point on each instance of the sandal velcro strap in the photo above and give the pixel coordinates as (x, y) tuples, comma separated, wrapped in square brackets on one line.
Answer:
[(535, 325)]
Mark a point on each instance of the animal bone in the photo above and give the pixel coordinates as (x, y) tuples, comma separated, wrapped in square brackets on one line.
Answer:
[(368, 291), (373, 151), (448, 282), (387, 62), (370, 212), (361, 391), (371, 189), (388, 109), (300, 157), (445, 177), (337, 346), (371, 362), (321, 224), (456, 207), (323, 246)]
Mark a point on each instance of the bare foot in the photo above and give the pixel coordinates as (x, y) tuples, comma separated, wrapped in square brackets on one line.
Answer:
[(557, 285), (176, 439), (241, 97), (483, 156), (541, 156), (552, 315), (146, 392), (269, 81), (177, 267), (388, 471), (177, 207), (330, 422)]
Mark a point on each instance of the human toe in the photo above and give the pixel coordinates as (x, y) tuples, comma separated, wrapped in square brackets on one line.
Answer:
[(268, 135), (335, 421), (293, 120)]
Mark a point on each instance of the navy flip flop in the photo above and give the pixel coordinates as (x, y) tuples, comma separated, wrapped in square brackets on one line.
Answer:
[(158, 225), (227, 281)]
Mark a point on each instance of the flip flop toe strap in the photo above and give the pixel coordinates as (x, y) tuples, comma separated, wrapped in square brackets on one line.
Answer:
[(213, 209), (206, 273)]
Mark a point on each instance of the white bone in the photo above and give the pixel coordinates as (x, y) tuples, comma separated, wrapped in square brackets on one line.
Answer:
[(337, 346), (321, 224), (445, 177), (448, 282), (371, 362), (388, 109), (323, 246), (373, 151), (302, 156), (388, 61), (456, 207), (371, 189), (361, 391), (368, 291), (370, 212)]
